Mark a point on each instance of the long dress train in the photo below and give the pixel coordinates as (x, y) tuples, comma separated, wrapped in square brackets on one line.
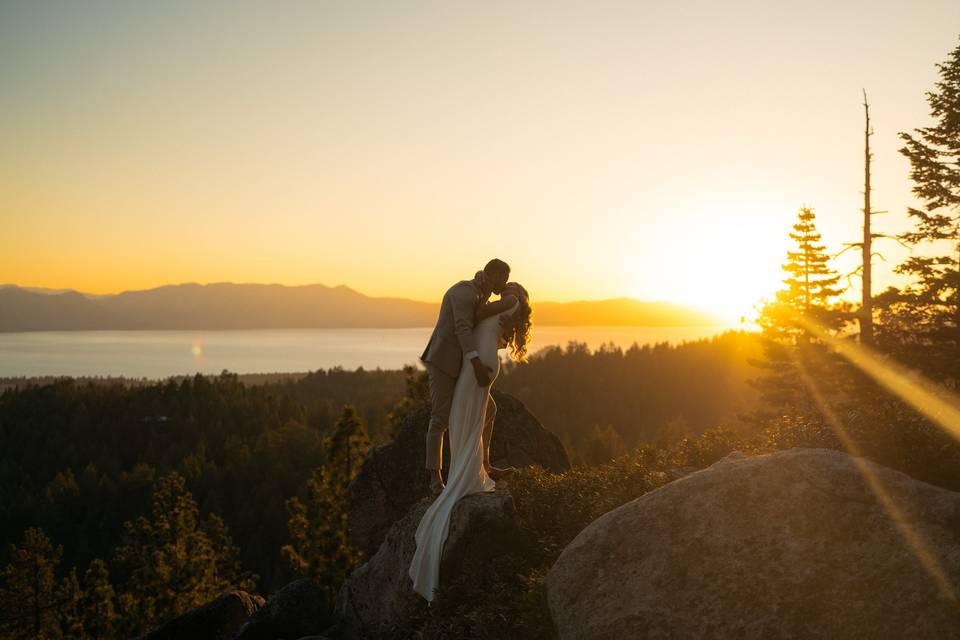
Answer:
[(466, 473)]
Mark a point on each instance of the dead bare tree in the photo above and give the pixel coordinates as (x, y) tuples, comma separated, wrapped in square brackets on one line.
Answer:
[(865, 313)]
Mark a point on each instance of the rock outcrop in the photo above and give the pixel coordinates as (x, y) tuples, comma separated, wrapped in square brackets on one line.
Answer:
[(298, 609), (219, 619), (520, 440), (380, 591), (792, 544), (392, 478)]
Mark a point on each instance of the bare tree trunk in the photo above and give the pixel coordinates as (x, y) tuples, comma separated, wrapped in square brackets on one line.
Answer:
[(866, 306), (956, 313), (806, 294)]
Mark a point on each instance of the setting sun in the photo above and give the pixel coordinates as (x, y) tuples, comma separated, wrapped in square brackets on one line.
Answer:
[(724, 265)]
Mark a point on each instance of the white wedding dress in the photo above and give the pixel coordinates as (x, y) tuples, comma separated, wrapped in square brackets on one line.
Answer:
[(466, 474)]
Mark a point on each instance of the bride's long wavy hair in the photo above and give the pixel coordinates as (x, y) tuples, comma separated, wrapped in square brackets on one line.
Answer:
[(516, 332)]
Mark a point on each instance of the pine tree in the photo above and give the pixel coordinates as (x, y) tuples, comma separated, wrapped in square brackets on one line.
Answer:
[(32, 600), (70, 612), (97, 602), (228, 570), (321, 546), (922, 321), (346, 447), (417, 395), (170, 560), (811, 284), (785, 321)]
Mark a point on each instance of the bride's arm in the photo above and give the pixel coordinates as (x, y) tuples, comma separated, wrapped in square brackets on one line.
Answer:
[(493, 308)]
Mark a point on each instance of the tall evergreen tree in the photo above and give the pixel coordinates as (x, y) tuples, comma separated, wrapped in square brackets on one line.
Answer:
[(171, 561), (70, 613), (417, 395), (811, 283), (810, 286), (32, 599), (97, 602), (923, 319), (346, 446), (808, 292), (321, 546)]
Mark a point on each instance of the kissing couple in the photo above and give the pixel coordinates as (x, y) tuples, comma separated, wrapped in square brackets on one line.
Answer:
[(462, 361)]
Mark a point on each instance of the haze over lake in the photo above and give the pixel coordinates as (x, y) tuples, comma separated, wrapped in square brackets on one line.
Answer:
[(158, 354)]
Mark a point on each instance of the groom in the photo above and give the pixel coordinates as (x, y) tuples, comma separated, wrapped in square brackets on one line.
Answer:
[(451, 341)]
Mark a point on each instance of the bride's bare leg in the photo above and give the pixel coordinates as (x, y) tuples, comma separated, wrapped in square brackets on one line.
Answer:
[(491, 414), (494, 472)]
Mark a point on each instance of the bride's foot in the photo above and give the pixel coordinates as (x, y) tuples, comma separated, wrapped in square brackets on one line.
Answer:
[(497, 473)]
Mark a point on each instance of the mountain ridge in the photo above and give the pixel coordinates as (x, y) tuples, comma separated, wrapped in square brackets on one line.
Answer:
[(227, 305)]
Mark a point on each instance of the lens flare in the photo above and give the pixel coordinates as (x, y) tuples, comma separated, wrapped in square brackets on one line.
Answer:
[(197, 350)]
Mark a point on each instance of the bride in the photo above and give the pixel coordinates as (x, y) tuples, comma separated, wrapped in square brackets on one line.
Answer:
[(467, 472)]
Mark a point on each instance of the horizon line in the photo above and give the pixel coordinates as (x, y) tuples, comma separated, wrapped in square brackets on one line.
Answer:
[(61, 290)]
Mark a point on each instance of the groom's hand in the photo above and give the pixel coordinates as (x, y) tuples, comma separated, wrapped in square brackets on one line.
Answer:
[(481, 371)]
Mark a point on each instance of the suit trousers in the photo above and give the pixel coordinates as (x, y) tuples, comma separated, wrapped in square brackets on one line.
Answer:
[(441, 398)]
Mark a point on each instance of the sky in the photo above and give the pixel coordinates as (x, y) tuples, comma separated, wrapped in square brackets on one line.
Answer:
[(656, 150)]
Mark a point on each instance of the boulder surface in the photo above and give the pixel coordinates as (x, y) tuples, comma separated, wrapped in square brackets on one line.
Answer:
[(380, 592), (791, 544)]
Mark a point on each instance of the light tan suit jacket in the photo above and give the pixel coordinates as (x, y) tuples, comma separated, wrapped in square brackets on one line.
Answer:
[(452, 337)]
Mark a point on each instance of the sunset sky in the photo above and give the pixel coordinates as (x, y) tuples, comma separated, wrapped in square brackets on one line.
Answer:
[(658, 150)]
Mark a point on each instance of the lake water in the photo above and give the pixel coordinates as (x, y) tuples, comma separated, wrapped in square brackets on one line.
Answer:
[(158, 354)]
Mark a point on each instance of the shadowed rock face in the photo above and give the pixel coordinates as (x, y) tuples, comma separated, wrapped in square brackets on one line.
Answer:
[(790, 544), (392, 478), (216, 620), (380, 592), (296, 610)]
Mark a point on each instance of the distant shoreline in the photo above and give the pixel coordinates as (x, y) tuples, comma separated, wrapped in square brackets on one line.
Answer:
[(722, 326), (246, 378), (260, 354)]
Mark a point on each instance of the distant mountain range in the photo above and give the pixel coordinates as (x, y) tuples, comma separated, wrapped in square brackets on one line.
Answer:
[(225, 305)]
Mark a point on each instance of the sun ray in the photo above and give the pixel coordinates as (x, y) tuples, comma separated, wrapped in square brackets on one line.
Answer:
[(913, 539), (937, 403)]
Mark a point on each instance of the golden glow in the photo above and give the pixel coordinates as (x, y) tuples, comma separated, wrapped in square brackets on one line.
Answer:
[(938, 404), (605, 149), (730, 257)]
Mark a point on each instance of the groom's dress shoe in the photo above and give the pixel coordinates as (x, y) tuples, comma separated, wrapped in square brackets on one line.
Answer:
[(499, 474)]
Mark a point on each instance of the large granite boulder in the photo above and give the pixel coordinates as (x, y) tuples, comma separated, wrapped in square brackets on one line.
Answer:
[(392, 477), (219, 619), (792, 544), (519, 439), (297, 609), (380, 592)]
